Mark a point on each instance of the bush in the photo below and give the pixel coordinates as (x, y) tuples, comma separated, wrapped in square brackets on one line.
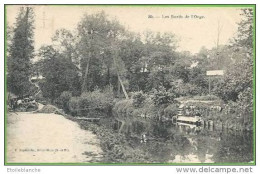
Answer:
[(92, 104), (123, 107), (161, 97), (186, 89), (74, 105), (138, 99), (171, 110), (63, 101), (149, 108)]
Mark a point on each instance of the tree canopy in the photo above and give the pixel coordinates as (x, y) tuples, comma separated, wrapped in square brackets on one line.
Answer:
[(21, 52)]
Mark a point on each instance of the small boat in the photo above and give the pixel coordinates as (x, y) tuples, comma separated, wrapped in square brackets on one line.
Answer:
[(189, 119)]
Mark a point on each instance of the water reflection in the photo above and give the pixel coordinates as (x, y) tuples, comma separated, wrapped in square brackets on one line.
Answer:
[(167, 142)]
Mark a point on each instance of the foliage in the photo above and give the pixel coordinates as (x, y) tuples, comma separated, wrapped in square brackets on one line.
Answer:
[(63, 100), (245, 34), (181, 72), (186, 89), (79, 65), (98, 46), (92, 104), (138, 99), (123, 108), (197, 77), (21, 52), (161, 96), (237, 84), (74, 105), (159, 57), (171, 110), (60, 74), (65, 42), (116, 147)]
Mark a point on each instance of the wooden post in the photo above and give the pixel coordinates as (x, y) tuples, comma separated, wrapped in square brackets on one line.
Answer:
[(209, 84)]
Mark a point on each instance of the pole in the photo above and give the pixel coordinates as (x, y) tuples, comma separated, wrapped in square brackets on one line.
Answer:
[(209, 84)]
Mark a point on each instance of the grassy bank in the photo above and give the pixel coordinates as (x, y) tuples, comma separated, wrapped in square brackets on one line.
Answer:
[(117, 147), (213, 112)]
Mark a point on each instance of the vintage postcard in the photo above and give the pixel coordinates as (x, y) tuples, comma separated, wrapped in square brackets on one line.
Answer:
[(130, 84)]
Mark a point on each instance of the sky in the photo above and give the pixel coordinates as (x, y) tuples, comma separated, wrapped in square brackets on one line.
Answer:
[(194, 27)]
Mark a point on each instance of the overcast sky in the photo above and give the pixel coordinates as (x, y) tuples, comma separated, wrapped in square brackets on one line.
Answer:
[(192, 32)]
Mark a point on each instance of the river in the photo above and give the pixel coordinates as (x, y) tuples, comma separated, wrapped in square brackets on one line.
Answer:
[(31, 137), (171, 143)]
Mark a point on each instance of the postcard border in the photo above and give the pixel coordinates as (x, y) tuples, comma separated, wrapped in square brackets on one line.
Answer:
[(138, 164)]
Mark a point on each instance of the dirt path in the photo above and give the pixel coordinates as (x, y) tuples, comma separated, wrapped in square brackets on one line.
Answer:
[(37, 137)]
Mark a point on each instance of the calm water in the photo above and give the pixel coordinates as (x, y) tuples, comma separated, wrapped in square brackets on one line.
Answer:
[(167, 142)]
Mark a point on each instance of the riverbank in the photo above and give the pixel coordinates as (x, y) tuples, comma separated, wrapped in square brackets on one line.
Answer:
[(214, 113), (117, 147), (168, 143)]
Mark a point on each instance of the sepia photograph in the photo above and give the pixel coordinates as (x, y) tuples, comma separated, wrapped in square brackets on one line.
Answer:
[(130, 84)]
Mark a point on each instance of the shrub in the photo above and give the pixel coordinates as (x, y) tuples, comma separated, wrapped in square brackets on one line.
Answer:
[(122, 107), (125, 108), (74, 105), (63, 100), (92, 104), (138, 99), (184, 89), (149, 108), (161, 97), (171, 110)]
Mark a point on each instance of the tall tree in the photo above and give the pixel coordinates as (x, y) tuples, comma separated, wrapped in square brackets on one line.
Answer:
[(160, 52), (59, 72), (92, 31), (65, 42), (99, 38), (237, 84), (9, 36), (21, 53)]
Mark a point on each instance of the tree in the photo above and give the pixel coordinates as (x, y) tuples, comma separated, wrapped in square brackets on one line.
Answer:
[(237, 84), (245, 35), (93, 31), (59, 72), (99, 40), (9, 36), (159, 51), (21, 53), (131, 52), (65, 43), (239, 76)]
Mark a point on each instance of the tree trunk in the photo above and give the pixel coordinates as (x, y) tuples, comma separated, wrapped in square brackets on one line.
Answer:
[(108, 76), (123, 88), (85, 85), (118, 88), (121, 127), (119, 79)]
